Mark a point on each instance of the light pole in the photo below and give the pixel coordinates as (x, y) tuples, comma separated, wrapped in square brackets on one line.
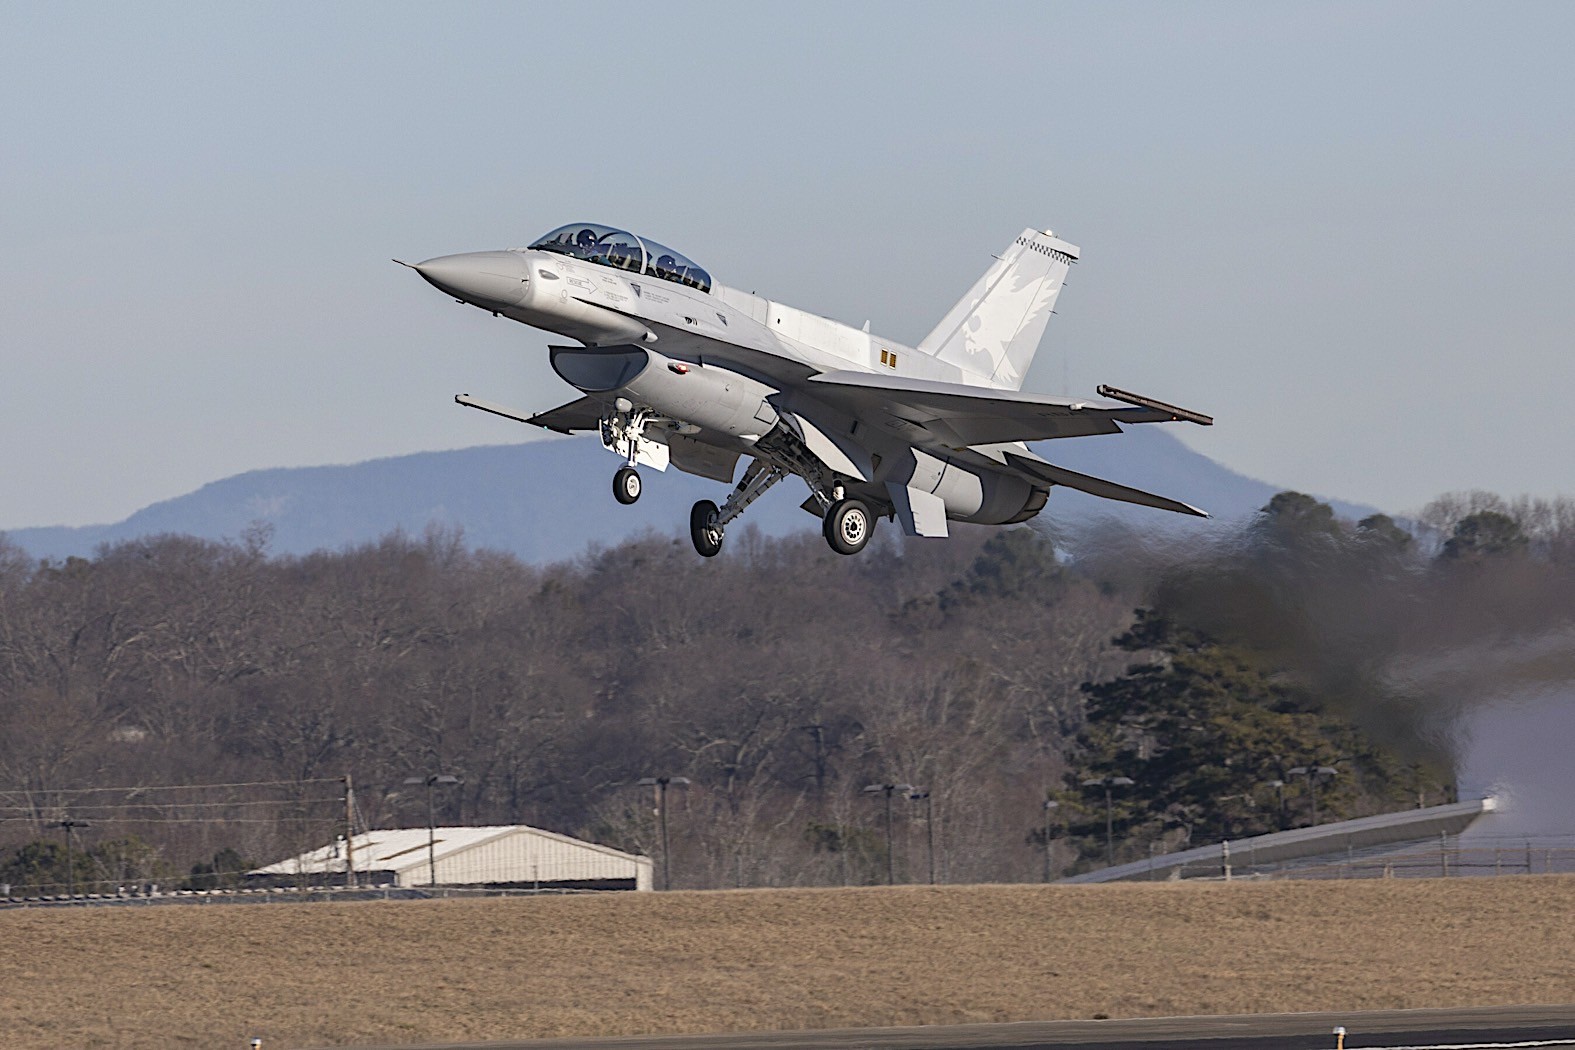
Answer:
[(1051, 805), (1279, 795), (431, 780), (71, 872), (1313, 775), (918, 795), (888, 789), (1110, 820), (660, 783)]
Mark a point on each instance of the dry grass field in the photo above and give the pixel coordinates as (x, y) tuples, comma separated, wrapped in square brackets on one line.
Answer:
[(321, 974)]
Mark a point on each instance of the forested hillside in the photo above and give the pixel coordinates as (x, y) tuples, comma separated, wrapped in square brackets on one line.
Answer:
[(499, 496), (993, 671)]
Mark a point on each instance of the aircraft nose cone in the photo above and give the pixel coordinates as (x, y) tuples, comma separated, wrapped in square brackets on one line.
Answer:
[(482, 278)]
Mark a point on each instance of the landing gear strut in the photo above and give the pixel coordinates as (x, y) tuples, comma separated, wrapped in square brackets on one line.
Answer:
[(706, 520), (626, 485), (848, 525)]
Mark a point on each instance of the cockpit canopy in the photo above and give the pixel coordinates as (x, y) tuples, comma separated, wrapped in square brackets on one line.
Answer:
[(622, 250)]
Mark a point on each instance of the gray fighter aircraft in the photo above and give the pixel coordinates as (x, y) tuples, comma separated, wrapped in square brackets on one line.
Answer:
[(678, 370)]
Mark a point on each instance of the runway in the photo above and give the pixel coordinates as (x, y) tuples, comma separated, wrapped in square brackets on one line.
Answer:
[(1491, 1028)]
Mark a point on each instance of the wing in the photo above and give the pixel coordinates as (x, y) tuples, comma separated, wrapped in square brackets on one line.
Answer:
[(959, 415), (584, 414)]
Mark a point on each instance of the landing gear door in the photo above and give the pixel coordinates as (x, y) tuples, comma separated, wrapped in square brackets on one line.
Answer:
[(843, 456), (639, 450), (698, 458), (652, 455)]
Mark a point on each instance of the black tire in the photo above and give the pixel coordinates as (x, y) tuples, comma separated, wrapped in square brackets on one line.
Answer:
[(626, 485), (703, 530), (848, 525)]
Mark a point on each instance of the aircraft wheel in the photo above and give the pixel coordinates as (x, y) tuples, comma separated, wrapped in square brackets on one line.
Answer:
[(848, 525), (703, 529), (626, 485)]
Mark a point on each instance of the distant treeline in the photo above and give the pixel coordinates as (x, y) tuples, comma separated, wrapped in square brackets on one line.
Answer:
[(998, 672)]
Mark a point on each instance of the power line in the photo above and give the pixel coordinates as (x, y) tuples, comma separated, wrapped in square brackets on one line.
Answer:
[(275, 821), (177, 787), (93, 807)]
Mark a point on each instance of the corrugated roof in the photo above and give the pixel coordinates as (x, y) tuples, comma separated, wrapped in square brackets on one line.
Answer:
[(403, 849), (1386, 829)]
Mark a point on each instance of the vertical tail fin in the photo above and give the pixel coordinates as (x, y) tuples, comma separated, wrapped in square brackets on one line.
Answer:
[(993, 331)]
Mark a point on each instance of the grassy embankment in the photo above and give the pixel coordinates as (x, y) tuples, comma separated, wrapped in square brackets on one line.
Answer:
[(316, 974)]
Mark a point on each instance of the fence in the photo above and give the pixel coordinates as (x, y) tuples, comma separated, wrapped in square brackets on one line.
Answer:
[(1475, 856), (144, 840), (141, 897)]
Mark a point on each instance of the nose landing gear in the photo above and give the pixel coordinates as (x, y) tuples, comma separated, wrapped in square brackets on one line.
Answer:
[(626, 485), (623, 432)]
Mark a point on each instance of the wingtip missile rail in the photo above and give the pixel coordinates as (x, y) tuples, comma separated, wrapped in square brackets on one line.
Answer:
[(1177, 413)]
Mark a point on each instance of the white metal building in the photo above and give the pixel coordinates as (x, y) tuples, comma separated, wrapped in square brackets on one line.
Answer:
[(508, 855)]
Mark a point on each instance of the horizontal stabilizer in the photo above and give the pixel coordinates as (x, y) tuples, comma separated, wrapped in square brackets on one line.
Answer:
[(1098, 486)]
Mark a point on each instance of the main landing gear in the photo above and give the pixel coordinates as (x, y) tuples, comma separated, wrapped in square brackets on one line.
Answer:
[(848, 525), (626, 485), (707, 520), (705, 529)]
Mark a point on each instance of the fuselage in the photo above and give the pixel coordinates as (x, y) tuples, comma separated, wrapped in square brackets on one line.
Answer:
[(600, 306), (606, 288)]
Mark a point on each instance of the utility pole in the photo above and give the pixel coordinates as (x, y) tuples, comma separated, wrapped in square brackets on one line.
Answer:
[(1051, 805), (431, 837), (1279, 795), (887, 789), (349, 833), (1313, 775), (431, 780), (918, 795), (660, 783), (1110, 820), (71, 871)]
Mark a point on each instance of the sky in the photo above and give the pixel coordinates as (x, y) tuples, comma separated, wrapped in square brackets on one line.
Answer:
[(1345, 230)]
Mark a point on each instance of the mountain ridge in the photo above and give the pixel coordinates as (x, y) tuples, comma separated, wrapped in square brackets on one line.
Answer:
[(548, 499)]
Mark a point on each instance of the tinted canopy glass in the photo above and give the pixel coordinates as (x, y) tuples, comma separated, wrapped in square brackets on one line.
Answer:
[(620, 249)]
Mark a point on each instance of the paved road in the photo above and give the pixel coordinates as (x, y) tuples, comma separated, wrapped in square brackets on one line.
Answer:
[(1528, 1026)]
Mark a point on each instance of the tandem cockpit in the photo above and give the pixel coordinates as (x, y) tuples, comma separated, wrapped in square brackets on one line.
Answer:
[(622, 250)]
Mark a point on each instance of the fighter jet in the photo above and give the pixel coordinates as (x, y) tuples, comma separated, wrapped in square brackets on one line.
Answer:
[(678, 370)]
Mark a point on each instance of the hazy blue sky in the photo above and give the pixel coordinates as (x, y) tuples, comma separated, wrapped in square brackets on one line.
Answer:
[(1348, 230)]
